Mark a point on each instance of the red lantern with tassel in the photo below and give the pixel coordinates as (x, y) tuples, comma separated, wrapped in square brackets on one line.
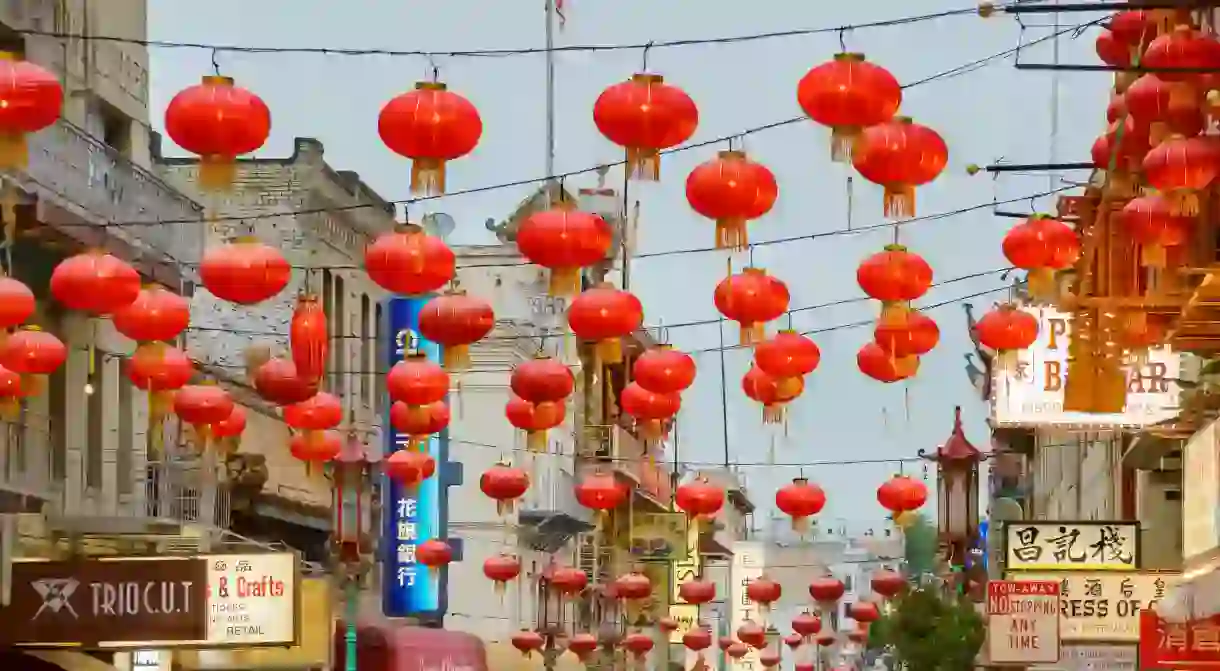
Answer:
[(504, 484), (731, 190), (865, 612), (409, 262), (900, 155), (456, 321), (794, 641), (219, 121), (1042, 246), (568, 580), (737, 650), (156, 315), (887, 583), (652, 411), (826, 639), (10, 395), (763, 591), (541, 381), (826, 591), (30, 100), (308, 338), (752, 298), (564, 241), (788, 357), (848, 94), (583, 645), (419, 425), (95, 282), (645, 115), (895, 276), (664, 370), (1111, 51), (882, 366), (605, 315), (600, 491), (201, 406), (500, 569), (17, 303), (806, 625), (1183, 57), (534, 420), (417, 382), (769, 659), (1152, 224), (914, 334), (765, 390), (638, 644), (697, 638), (697, 591), (229, 431), (276, 380), (528, 642), (434, 553), (315, 415), (314, 453), (431, 126), (800, 500), (1179, 168), (752, 634), (245, 271), (160, 371), (699, 498), (1008, 330), (410, 468)]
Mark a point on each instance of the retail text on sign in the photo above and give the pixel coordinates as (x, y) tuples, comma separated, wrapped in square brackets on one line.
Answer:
[(1023, 622)]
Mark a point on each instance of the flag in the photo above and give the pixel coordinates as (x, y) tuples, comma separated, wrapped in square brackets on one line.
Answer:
[(563, 19)]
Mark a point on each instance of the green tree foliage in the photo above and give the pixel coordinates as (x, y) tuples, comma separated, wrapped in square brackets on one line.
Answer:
[(920, 545), (928, 632)]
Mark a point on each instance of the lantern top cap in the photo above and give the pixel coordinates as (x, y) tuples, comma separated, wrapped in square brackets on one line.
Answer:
[(958, 447)]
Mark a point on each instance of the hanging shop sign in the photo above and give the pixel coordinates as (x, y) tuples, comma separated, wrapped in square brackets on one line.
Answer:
[(1023, 622), (1092, 658), (749, 558), (687, 565), (1071, 546), (1194, 644), (107, 602), (1031, 393), (252, 599), (1103, 606), (414, 515)]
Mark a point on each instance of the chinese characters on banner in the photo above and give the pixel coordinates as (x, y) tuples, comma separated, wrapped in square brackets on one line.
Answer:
[(1072, 546), (412, 516), (1022, 622), (749, 559), (686, 565), (1179, 645), (1103, 606)]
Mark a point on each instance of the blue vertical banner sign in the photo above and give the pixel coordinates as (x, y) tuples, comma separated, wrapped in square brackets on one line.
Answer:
[(414, 516)]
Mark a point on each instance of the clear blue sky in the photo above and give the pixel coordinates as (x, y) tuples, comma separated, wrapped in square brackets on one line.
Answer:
[(984, 115)]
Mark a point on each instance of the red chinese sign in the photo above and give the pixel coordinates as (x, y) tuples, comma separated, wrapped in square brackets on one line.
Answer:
[(1179, 645)]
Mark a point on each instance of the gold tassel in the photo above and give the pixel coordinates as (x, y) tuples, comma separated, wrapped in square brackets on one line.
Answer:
[(800, 525), (1043, 285), (10, 408), (752, 333), (1123, 81), (1184, 202), (500, 588), (789, 387), (160, 404), (217, 173), (1121, 184), (428, 176), (457, 358), (894, 312), (773, 413), (416, 443), (643, 164), (14, 151), (650, 430), (1007, 360), (564, 282), (1152, 256), (535, 441), (33, 385), (609, 351), (843, 143), (732, 234), (504, 507), (899, 201)]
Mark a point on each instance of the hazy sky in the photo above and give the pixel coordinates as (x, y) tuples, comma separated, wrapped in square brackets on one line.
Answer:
[(994, 112)]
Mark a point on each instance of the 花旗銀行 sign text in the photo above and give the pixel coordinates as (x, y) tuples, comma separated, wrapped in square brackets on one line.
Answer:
[(1103, 606), (1023, 622), (1031, 394), (1071, 546)]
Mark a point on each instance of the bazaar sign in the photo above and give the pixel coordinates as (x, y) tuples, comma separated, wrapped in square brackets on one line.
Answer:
[(1031, 393), (1071, 546), (1179, 645), (1103, 606), (1023, 622)]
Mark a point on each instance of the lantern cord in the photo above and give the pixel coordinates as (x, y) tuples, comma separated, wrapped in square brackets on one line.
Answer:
[(843, 40), (644, 59), (215, 62)]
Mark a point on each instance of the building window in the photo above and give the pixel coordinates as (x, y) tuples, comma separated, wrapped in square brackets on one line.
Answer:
[(366, 349), (115, 128), (95, 390)]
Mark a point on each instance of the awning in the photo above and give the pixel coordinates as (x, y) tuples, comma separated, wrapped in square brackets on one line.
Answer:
[(383, 645), (504, 657)]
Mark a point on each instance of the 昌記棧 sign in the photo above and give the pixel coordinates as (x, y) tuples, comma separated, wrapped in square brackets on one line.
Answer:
[(1071, 546)]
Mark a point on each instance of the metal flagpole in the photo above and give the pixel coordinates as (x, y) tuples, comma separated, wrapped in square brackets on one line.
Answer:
[(550, 88)]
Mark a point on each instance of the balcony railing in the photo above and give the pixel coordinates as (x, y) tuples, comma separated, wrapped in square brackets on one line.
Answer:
[(179, 491), (97, 185)]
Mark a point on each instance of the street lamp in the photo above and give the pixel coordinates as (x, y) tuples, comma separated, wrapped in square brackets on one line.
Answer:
[(355, 503), (957, 481)]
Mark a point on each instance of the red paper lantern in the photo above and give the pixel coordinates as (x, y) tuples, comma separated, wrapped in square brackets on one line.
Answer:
[(528, 642), (667, 625), (632, 586), (768, 392), (160, 369), (864, 611), (564, 241), (317, 450), (431, 126), (1186, 49), (699, 498), (882, 366), (10, 395), (434, 553), (858, 636), (768, 659), (697, 591), (894, 276), (202, 405), (501, 568), (1156, 113), (697, 639), (788, 357), (417, 382), (826, 589), (17, 302), (737, 650), (1111, 50), (504, 484), (732, 190), (1152, 224), (321, 412), (1007, 330), (650, 410), (848, 94), (534, 420), (30, 100), (456, 321), (309, 338), (276, 380), (912, 334), (794, 641), (542, 380), (763, 591), (914, 493), (568, 580), (900, 494), (582, 645), (232, 426), (419, 425), (1135, 27), (1179, 168), (410, 468), (600, 491), (900, 155), (604, 315), (724, 642), (1042, 246), (752, 634), (95, 282), (1117, 108), (244, 271), (410, 262), (751, 298), (826, 639), (157, 314), (800, 500), (664, 370), (806, 624), (645, 115), (219, 121), (638, 644), (887, 583)]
